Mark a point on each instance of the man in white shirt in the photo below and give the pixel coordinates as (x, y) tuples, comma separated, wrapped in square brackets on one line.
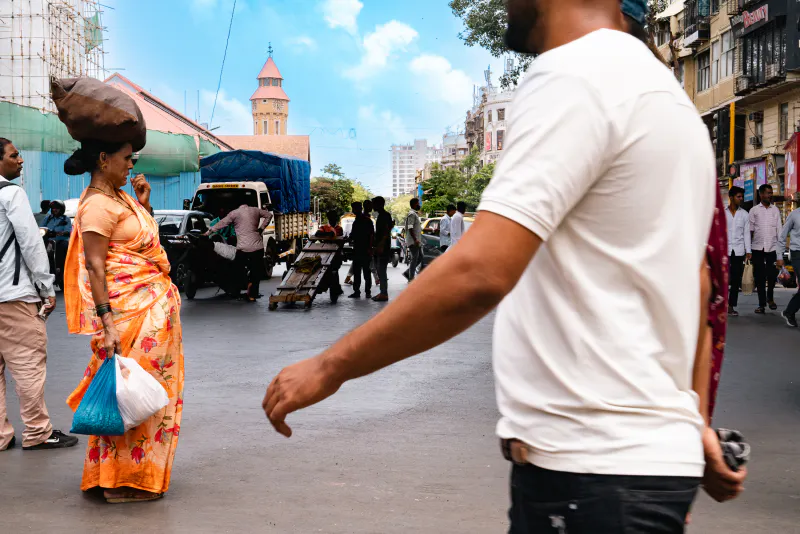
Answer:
[(445, 227), (413, 235), (595, 350), (739, 247), (25, 285), (457, 226), (765, 224)]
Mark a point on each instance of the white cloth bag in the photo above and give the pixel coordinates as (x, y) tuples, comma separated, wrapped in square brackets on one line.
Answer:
[(139, 395), (226, 251)]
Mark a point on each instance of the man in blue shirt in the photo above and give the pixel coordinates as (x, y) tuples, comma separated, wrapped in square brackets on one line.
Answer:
[(60, 228), (792, 230)]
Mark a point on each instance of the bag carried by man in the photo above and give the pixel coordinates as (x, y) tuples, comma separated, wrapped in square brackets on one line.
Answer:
[(748, 280)]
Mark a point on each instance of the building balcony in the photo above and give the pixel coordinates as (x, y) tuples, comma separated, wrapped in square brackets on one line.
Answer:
[(698, 33), (735, 7)]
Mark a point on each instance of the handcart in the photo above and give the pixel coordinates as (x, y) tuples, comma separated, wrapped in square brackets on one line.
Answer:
[(315, 271)]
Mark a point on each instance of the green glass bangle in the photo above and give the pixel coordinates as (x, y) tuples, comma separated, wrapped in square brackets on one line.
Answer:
[(102, 309)]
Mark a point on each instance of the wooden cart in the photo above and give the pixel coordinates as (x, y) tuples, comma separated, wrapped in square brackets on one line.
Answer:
[(304, 287)]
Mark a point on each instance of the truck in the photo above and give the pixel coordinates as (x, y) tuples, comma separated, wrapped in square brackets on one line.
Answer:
[(281, 184)]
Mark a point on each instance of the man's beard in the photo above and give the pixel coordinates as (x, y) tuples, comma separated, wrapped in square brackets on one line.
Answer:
[(519, 29)]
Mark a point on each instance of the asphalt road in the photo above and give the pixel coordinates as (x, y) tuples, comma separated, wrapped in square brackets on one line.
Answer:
[(411, 449)]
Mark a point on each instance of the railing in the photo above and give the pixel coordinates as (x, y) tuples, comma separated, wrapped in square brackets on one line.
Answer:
[(735, 7)]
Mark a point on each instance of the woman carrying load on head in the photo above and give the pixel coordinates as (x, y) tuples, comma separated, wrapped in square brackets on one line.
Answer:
[(118, 290)]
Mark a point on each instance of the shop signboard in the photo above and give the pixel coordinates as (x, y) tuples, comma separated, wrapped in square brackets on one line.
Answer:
[(758, 169), (790, 179), (488, 141), (749, 191)]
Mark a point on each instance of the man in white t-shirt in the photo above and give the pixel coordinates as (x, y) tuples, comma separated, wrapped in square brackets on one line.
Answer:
[(596, 337), (457, 225)]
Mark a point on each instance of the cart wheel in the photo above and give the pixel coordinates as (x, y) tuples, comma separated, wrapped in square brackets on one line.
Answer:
[(308, 305), (273, 306), (395, 260), (334, 297)]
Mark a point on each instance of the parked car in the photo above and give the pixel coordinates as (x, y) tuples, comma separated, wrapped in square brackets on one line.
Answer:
[(173, 228), (431, 248)]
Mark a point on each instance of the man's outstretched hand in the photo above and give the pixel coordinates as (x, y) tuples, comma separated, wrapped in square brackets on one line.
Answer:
[(296, 387)]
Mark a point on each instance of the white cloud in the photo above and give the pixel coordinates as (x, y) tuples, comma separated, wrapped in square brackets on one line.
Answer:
[(342, 14), (384, 126), (233, 116), (437, 77), (303, 42), (379, 46)]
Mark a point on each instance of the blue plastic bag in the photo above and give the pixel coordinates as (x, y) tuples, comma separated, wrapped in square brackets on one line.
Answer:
[(98, 413)]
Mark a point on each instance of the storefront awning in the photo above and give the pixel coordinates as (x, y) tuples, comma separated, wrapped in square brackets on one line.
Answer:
[(721, 106)]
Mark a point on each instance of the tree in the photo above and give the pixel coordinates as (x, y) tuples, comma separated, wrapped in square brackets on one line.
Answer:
[(471, 162), (361, 193), (399, 207), (485, 26), (334, 194), (333, 170), (477, 185)]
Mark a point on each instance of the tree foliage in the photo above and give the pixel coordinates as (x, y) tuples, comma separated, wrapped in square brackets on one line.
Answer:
[(399, 207), (485, 24), (451, 185), (337, 192)]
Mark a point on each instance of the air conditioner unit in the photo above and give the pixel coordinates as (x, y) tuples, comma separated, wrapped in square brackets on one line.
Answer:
[(756, 140), (757, 116)]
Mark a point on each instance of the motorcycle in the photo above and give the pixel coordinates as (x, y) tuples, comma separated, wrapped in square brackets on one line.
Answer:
[(205, 266), (49, 239)]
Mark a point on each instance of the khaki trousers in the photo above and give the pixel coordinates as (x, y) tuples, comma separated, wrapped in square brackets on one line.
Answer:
[(23, 349)]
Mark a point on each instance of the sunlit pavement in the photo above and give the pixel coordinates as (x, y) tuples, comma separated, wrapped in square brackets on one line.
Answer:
[(411, 449)]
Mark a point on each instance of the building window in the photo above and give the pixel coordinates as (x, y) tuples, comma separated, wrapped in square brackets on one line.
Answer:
[(783, 121), (500, 136), (715, 56), (501, 114), (266, 128), (714, 6), (277, 127), (726, 63), (489, 116), (703, 71)]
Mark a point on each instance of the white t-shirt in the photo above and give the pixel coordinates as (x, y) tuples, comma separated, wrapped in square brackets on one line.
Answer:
[(456, 229), (609, 163)]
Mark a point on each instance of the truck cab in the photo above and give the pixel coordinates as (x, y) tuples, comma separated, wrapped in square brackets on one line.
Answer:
[(282, 237)]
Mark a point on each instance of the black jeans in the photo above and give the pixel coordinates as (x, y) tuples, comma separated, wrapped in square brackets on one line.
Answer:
[(415, 253), (737, 271), (383, 272), (254, 261), (551, 502), (765, 275), (61, 258), (794, 304), (361, 265)]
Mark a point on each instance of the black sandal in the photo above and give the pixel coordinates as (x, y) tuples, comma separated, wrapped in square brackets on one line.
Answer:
[(760, 311)]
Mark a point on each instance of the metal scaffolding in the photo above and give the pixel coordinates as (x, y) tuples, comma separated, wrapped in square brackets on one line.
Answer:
[(40, 39)]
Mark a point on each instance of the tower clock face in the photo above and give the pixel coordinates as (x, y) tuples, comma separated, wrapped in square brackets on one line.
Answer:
[(277, 105)]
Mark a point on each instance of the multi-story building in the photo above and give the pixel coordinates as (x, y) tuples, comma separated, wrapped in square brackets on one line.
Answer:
[(454, 149), (485, 125), (736, 61), (407, 160), (43, 39)]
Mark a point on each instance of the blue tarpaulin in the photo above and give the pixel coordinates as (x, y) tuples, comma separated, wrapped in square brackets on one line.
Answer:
[(288, 179)]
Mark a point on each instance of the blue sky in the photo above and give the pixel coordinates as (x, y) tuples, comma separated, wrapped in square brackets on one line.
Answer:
[(391, 71)]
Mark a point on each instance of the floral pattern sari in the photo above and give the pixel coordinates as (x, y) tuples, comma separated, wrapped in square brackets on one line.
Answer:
[(146, 310)]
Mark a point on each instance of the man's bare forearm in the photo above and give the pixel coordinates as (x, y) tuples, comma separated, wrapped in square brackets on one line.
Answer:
[(455, 292)]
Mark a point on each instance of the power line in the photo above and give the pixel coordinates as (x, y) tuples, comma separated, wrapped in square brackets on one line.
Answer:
[(222, 68)]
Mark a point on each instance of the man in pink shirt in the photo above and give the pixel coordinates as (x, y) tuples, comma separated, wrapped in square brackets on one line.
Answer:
[(249, 223), (765, 224)]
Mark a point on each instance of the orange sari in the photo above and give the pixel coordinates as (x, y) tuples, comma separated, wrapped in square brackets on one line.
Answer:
[(146, 308)]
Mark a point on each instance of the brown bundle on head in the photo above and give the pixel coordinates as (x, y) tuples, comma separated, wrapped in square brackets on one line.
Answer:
[(95, 111)]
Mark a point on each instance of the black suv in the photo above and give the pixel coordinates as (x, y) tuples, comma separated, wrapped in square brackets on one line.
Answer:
[(173, 228)]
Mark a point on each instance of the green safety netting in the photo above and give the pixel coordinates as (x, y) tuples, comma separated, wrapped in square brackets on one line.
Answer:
[(166, 154), (207, 148)]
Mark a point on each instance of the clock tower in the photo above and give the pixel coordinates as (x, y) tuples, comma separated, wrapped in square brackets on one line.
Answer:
[(270, 103)]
